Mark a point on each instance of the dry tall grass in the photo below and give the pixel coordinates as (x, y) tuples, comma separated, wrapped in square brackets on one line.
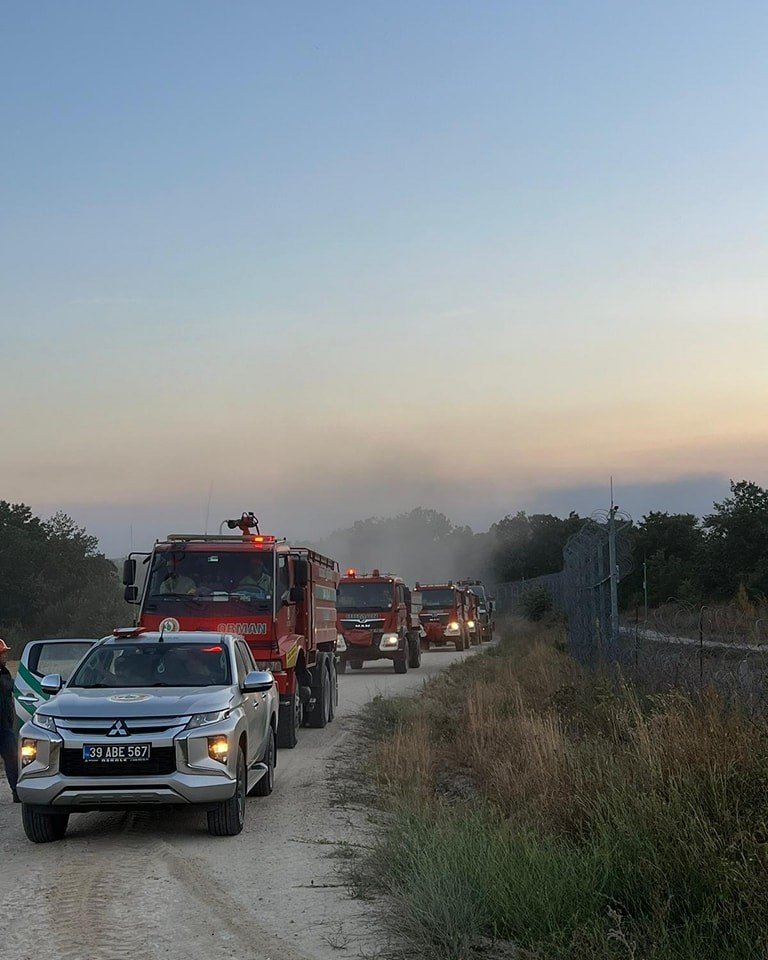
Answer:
[(595, 822)]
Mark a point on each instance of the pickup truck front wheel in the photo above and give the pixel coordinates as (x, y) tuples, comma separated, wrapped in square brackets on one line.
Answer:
[(43, 827), (228, 817)]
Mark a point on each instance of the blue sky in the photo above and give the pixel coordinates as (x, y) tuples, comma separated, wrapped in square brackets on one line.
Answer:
[(341, 259)]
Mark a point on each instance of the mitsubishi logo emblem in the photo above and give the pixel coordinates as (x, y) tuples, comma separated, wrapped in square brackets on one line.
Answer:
[(118, 729)]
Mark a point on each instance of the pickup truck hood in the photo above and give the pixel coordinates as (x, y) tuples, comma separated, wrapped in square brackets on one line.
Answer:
[(146, 702)]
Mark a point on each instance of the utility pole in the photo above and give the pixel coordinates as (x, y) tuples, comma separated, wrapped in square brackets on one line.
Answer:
[(645, 587), (614, 572)]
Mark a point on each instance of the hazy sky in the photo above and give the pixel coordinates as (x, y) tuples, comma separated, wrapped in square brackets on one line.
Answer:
[(345, 258)]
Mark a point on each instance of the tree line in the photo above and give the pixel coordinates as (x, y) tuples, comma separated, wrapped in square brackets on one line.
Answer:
[(54, 581)]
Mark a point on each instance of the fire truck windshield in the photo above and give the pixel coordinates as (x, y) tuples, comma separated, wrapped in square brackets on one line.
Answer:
[(364, 596), (432, 599), (201, 577)]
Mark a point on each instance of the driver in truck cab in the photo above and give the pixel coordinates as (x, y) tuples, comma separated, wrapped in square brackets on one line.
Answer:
[(175, 581), (258, 579)]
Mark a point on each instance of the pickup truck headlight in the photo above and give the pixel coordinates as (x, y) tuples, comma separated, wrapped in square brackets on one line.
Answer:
[(44, 721), (389, 641), (203, 719), (28, 751)]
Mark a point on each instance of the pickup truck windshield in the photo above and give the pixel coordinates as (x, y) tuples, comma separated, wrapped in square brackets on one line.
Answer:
[(432, 599), (155, 664), (197, 578), (364, 596)]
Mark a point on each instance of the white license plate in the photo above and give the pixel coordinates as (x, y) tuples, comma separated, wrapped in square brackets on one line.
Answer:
[(112, 752)]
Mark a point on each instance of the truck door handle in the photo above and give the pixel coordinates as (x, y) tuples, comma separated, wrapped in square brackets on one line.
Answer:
[(27, 699)]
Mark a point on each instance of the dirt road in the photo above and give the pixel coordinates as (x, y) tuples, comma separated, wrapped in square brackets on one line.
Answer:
[(157, 886)]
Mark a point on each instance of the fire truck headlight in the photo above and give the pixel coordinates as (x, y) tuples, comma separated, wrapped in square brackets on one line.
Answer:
[(341, 643), (471, 624), (389, 641), (274, 665), (452, 627), (203, 719)]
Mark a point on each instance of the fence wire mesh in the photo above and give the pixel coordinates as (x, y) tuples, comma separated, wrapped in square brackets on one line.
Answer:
[(694, 648)]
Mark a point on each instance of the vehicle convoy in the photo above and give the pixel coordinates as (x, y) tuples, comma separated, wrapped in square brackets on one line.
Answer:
[(146, 719), (485, 607), (375, 621), (444, 615), (39, 658), (281, 599)]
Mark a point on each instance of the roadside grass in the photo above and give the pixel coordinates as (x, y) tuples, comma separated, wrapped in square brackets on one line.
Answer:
[(532, 810)]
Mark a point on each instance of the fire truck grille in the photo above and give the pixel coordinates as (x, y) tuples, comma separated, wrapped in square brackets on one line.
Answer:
[(162, 761)]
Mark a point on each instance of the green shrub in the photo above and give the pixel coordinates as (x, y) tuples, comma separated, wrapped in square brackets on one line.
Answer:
[(535, 603)]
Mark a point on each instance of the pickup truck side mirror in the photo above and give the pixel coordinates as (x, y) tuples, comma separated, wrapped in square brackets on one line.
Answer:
[(51, 684), (129, 572), (258, 681), (131, 594)]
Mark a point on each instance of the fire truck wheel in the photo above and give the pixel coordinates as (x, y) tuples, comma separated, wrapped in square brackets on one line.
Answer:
[(343, 665), (289, 723), (355, 664), (319, 715), (414, 654), (265, 786), (401, 664), (227, 818), (334, 701)]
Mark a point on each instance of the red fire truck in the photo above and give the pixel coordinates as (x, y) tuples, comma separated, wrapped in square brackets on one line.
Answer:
[(280, 599), (444, 615), (375, 619)]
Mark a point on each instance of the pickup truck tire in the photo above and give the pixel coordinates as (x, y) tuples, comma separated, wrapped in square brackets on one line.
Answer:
[(319, 715), (227, 818), (266, 785), (43, 827), (414, 653), (289, 723)]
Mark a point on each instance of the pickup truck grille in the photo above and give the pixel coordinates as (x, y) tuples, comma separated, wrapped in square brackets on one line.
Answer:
[(163, 760)]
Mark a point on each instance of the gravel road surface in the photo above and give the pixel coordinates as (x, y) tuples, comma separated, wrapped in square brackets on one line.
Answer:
[(157, 886)]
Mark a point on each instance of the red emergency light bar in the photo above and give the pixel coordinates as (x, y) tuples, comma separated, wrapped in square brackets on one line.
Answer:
[(263, 539)]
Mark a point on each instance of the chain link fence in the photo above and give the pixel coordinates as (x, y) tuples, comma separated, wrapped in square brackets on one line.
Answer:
[(690, 647)]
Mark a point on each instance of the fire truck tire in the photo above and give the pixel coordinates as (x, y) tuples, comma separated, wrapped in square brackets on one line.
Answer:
[(355, 664), (289, 723), (266, 785), (43, 827), (343, 665), (414, 654), (228, 817), (401, 663), (319, 715), (334, 691)]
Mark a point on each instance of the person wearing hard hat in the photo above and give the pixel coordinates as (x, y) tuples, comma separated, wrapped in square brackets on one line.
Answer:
[(9, 748)]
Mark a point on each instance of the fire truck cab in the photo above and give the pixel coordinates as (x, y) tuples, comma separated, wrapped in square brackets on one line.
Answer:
[(485, 608), (375, 621), (444, 615), (281, 599)]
